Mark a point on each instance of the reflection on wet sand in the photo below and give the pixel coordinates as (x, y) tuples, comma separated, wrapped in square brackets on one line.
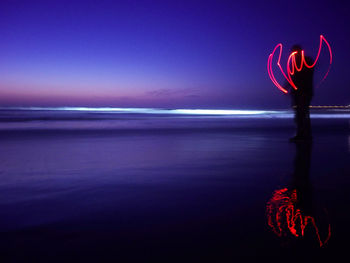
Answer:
[(290, 210)]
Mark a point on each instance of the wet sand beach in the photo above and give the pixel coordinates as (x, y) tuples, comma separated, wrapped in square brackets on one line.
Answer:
[(184, 193)]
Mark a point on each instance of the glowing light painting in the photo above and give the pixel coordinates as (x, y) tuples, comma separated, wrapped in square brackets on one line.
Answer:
[(292, 64), (284, 217)]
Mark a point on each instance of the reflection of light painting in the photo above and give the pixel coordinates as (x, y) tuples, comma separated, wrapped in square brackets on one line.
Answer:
[(283, 216), (292, 64)]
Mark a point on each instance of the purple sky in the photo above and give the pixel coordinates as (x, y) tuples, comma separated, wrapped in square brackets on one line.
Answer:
[(207, 54)]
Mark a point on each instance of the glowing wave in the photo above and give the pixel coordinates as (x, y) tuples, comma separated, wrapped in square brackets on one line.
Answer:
[(149, 110), (279, 114)]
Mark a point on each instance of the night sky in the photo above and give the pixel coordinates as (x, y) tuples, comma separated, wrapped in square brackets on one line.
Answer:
[(194, 54)]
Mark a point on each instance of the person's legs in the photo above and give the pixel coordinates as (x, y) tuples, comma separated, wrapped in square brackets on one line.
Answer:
[(307, 123), (299, 120), (302, 121)]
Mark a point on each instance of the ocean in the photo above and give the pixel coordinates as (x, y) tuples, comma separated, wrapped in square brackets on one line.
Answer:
[(171, 185)]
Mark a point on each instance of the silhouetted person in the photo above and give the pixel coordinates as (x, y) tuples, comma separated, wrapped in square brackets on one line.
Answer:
[(301, 98)]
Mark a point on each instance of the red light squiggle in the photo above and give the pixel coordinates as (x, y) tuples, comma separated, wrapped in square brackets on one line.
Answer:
[(291, 64), (282, 215)]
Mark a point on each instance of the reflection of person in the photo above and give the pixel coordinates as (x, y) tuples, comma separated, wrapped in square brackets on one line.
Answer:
[(290, 210), (301, 175), (301, 98)]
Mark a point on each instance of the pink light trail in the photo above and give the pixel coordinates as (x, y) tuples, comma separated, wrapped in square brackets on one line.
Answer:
[(292, 65)]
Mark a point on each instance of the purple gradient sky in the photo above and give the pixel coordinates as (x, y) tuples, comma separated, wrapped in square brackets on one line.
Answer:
[(163, 53)]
